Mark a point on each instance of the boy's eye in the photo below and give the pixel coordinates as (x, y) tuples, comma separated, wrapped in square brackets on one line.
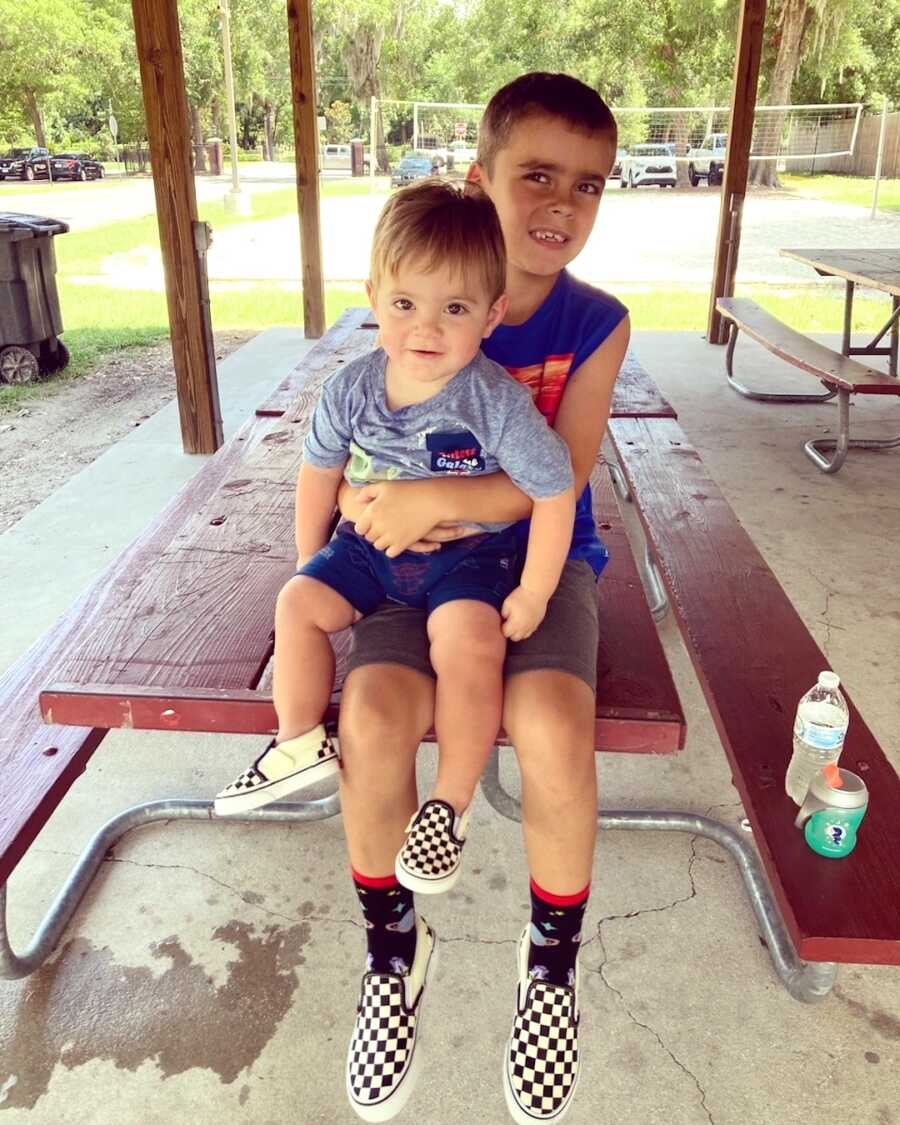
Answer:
[(538, 177), (403, 303), (456, 309), (589, 188)]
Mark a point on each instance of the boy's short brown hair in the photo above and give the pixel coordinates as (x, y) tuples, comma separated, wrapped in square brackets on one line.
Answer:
[(557, 95), (435, 223)]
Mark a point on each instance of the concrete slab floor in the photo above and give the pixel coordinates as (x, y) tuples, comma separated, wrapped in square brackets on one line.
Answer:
[(212, 972)]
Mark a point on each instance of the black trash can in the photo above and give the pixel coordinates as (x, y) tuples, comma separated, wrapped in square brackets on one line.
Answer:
[(30, 320)]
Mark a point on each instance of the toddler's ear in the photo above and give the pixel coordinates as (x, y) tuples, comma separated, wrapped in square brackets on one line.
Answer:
[(496, 315)]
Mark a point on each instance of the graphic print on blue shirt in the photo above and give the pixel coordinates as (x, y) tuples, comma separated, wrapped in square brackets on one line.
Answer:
[(456, 452)]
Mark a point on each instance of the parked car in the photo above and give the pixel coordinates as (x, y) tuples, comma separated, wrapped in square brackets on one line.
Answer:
[(707, 161), (616, 172), (336, 158), (76, 166), (25, 164), (648, 164), (415, 165)]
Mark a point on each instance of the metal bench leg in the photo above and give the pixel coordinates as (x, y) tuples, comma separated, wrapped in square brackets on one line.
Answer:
[(13, 966), (619, 482), (659, 601), (816, 448), (764, 396), (809, 981)]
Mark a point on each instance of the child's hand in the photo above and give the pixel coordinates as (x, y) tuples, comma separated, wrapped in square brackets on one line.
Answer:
[(396, 515), (522, 612)]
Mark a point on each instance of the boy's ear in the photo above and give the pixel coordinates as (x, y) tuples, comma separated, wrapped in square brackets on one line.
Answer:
[(475, 173), (370, 292), (496, 315)]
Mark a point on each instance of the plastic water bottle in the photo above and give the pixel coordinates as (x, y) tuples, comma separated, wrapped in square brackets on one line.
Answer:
[(819, 729)]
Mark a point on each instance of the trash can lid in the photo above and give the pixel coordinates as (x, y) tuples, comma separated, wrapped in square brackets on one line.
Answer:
[(14, 226)]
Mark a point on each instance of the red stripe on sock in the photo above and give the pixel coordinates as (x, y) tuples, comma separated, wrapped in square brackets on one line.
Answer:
[(560, 900), (369, 881)]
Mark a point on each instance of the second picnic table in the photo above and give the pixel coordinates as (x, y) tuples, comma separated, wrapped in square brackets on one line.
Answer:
[(870, 267)]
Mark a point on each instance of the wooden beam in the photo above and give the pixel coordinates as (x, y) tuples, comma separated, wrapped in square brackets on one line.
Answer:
[(182, 238), (306, 155), (737, 160)]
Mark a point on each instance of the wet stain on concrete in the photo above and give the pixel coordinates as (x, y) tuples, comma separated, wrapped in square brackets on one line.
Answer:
[(884, 1023), (629, 1058), (86, 1006), (885, 1116), (873, 1057), (497, 881), (244, 1095)]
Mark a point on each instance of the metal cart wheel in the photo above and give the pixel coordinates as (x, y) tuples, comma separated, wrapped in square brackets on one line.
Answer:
[(17, 365)]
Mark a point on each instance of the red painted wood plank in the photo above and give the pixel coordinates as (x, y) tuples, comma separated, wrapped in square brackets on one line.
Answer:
[(638, 709), (754, 658), (35, 779), (351, 335)]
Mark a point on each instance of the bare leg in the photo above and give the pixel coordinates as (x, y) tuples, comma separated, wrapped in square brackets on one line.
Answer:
[(306, 612), (549, 716), (386, 710), (467, 651)]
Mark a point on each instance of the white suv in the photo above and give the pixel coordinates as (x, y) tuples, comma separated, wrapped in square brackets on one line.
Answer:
[(648, 164)]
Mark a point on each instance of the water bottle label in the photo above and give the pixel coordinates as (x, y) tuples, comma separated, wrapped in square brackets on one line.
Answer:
[(821, 737)]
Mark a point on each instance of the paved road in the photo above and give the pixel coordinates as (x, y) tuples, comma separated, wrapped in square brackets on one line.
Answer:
[(645, 236)]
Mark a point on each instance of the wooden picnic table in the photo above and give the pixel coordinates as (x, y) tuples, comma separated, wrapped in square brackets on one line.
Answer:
[(872, 268)]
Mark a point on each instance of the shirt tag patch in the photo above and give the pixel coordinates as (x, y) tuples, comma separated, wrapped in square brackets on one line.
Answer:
[(457, 452)]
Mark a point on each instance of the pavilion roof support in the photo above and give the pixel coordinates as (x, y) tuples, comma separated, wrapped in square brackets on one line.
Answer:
[(183, 239), (306, 149), (737, 160)]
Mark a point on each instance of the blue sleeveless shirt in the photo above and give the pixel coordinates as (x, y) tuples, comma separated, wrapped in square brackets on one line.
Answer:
[(542, 353)]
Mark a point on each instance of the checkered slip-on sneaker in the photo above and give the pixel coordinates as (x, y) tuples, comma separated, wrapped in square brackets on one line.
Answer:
[(279, 771), (431, 859), (382, 1062), (541, 1066)]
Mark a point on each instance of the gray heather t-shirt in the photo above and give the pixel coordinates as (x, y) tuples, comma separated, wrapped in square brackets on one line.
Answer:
[(482, 421)]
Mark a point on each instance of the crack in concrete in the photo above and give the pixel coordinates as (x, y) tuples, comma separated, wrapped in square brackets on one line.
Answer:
[(645, 1026), (826, 609), (669, 905)]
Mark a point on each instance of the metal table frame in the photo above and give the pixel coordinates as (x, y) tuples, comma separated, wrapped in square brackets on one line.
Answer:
[(809, 982)]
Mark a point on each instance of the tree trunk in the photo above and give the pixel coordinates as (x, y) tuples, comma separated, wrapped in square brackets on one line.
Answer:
[(794, 20), (269, 130), (218, 121), (197, 131), (37, 118)]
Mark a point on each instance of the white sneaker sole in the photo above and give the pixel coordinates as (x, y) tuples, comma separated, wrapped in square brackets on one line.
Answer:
[(424, 886), (396, 1102), (275, 790)]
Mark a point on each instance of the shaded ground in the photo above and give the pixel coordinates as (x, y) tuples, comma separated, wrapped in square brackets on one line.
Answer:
[(46, 440)]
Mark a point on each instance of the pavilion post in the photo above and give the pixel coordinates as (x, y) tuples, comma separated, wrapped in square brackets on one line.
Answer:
[(183, 239), (306, 155), (737, 160)]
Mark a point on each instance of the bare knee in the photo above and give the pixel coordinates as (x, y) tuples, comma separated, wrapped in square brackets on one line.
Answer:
[(550, 719), (466, 637), (386, 710)]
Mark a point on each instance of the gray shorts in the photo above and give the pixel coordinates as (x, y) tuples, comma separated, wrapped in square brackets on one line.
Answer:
[(566, 640)]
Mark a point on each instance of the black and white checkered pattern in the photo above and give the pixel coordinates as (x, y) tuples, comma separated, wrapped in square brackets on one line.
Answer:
[(431, 851), (380, 1071), (542, 1054), (297, 767)]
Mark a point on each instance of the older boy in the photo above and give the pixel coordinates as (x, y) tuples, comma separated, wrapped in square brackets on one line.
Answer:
[(546, 147)]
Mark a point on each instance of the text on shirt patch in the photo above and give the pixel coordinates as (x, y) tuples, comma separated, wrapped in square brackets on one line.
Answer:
[(457, 452)]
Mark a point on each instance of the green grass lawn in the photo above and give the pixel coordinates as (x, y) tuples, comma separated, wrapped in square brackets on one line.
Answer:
[(846, 189), (99, 318)]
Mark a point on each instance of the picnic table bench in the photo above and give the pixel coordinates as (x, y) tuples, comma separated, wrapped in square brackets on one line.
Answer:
[(841, 375), (177, 636)]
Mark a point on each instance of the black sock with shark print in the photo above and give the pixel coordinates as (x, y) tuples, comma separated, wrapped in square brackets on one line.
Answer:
[(390, 916), (555, 934)]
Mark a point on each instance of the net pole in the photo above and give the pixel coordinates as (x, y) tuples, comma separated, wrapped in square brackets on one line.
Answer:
[(879, 159)]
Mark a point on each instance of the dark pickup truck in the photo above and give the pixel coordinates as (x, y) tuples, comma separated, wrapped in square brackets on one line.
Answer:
[(25, 164)]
